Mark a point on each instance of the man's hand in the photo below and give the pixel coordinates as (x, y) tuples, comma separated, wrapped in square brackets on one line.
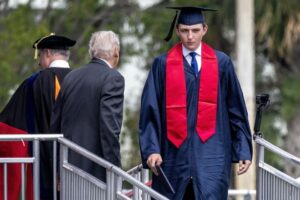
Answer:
[(153, 161), (243, 166)]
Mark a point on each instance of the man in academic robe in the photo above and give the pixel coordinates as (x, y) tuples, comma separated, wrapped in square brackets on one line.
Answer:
[(29, 110), (193, 120), (90, 106)]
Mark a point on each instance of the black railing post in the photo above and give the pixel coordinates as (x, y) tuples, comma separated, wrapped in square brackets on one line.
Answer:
[(262, 101)]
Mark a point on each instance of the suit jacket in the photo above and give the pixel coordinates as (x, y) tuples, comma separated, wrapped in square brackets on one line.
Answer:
[(89, 112)]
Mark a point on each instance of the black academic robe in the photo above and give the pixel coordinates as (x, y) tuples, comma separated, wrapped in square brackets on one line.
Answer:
[(31, 105), (89, 113), (44, 98), (13, 120), (19, 105), (207, 165), (29, 109)]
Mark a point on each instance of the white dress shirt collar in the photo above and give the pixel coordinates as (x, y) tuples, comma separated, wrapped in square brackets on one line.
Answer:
[(188, 57), (59, 64), (106, 62), (186, 51)]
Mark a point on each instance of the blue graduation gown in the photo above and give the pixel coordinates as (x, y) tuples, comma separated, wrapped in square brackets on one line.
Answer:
[(207, 165)]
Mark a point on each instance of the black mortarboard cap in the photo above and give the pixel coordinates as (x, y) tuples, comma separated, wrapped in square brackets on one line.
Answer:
[(53, 41), (189, 15)]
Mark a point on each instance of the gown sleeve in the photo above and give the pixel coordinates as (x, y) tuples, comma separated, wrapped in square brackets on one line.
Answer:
[(150, 114), (14, 112), (238, 116)]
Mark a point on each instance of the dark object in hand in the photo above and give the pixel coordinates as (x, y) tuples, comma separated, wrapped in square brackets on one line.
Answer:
[(164, 179)]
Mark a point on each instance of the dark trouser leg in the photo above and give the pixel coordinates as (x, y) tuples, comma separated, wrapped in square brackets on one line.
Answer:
[(189, 192)]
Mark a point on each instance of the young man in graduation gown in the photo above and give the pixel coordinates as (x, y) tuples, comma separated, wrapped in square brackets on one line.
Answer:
[(193, 120), (29, 110), (90, 106)]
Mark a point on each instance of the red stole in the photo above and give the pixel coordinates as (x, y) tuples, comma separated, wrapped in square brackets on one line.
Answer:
[(12, 149), (176, 109)]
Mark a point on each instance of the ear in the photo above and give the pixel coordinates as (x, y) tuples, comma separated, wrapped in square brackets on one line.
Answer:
[(48, 52), (116, 53), (205, 28), (116, 57)]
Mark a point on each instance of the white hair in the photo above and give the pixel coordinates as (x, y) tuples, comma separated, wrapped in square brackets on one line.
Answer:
[(103, 44)]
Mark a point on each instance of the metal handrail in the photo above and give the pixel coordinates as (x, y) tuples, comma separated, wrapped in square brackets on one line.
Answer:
[(272, 182), (110, 167), (17, 160), (35, 159), (135, 169), (59, 137), (236, 192), (29, 137), (279, 174), (271, 147)]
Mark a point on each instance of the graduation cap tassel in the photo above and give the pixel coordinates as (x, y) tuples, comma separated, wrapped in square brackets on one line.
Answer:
[(35, 54), (169, 36)]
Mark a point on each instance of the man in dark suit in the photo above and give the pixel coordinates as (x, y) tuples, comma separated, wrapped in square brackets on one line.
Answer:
[(90, 106)]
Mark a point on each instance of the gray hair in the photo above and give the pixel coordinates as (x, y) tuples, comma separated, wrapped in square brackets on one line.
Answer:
[(62, 52), (103, 44)]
